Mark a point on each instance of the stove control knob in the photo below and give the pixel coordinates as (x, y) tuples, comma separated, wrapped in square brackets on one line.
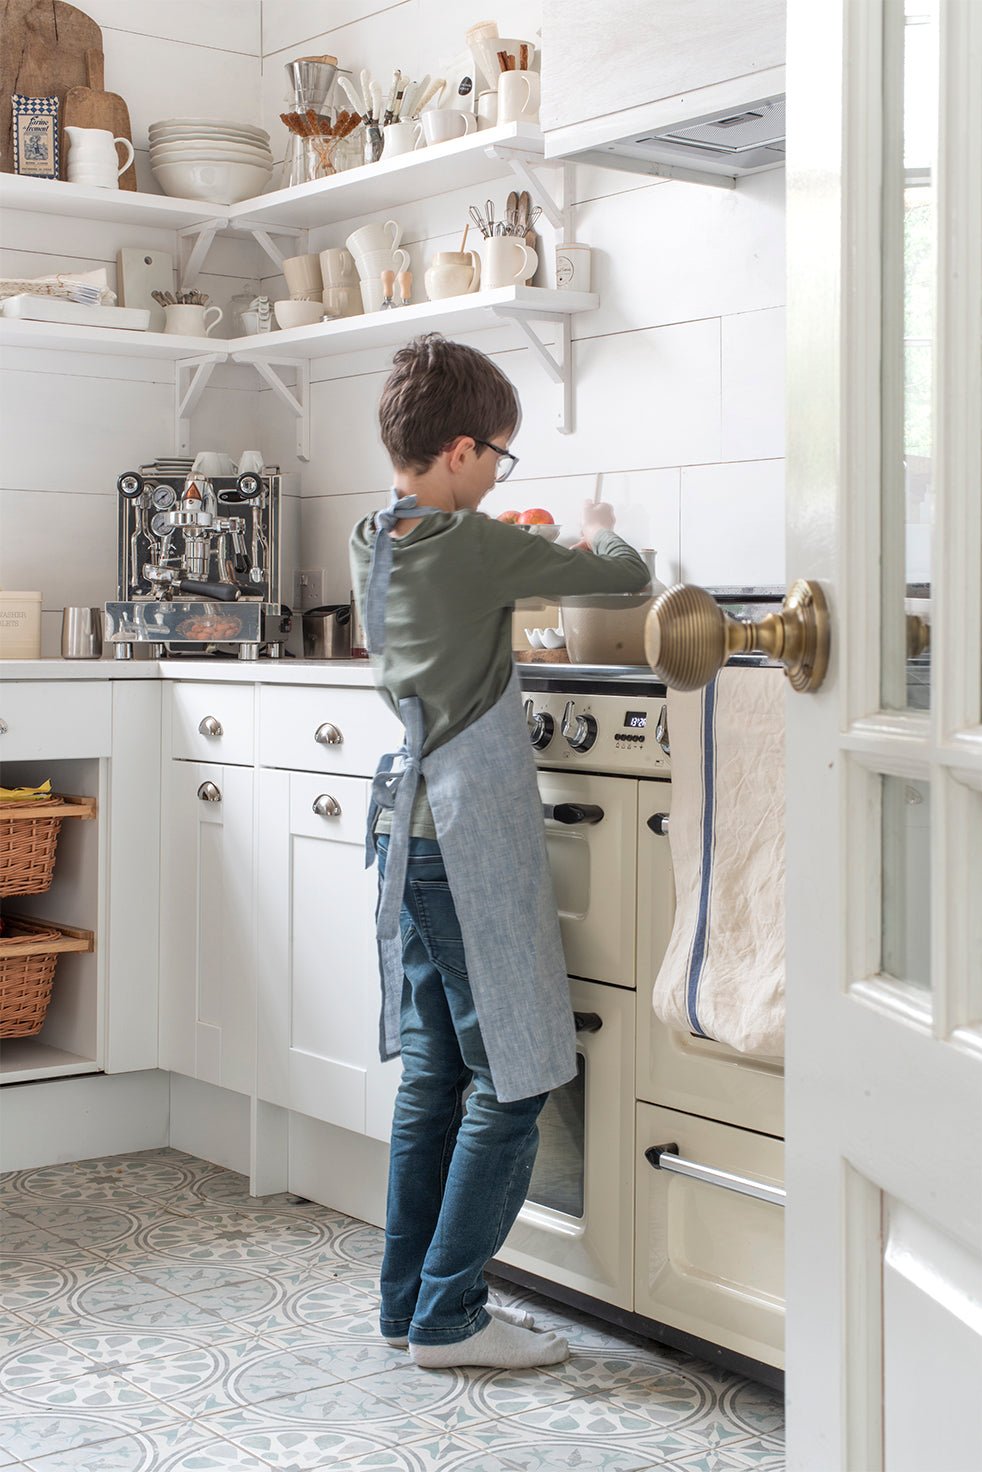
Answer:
[(541, 726), (580, 731)]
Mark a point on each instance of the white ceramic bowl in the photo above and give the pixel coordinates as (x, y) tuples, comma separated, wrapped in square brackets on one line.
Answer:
[(219, 153), (209, 140), (206, 131), (298, 314), (224, 123), (219, 183)]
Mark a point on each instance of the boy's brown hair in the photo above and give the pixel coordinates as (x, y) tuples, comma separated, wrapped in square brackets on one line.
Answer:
[(436, 391)]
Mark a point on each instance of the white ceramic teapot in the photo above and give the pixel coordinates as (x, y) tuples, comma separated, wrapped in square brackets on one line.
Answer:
[(452, 273)]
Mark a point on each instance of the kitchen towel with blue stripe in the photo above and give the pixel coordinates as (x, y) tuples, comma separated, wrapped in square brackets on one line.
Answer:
[(722, 976)]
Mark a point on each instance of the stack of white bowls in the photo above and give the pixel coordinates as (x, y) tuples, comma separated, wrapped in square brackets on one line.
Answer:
[(375, 249), (210, 158)]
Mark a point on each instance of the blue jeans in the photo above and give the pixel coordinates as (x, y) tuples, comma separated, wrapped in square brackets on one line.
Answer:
[(458, 1173)]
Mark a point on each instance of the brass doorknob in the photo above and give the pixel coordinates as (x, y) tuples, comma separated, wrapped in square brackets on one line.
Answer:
[(688, 637)]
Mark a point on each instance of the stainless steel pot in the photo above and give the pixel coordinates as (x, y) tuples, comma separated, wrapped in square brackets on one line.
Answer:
[(327, 632), (606, 628)]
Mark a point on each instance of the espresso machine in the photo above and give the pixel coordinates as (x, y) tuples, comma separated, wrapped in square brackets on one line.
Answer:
[(198, 565)]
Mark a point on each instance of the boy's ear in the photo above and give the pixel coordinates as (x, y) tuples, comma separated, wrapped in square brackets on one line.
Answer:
[(457, 451)]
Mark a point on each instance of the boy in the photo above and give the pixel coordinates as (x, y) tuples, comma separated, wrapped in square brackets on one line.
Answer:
[(474, 987)]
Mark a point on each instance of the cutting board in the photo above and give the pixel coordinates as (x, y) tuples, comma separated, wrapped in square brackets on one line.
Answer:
[(91, 107), (139, 273), (43, 55)]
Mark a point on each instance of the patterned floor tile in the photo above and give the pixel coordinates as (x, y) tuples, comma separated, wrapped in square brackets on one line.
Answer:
[(350, 1359), (30, 1284), (453, 1399), (234, 1237), (39, 1431), (436, 1453), (740, 1456), (180, 1448), (201, 1381), (92, 1225), (578, 1442), (319, 1303), (318, 1430), (758, 1410)]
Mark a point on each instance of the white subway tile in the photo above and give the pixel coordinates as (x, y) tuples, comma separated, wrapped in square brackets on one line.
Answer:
[(327, 524), (166, 79), (228, 25), (753, 385), (63, 545), (733, 524)]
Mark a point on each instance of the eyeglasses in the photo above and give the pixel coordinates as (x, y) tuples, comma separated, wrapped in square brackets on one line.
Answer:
[(506, 460)]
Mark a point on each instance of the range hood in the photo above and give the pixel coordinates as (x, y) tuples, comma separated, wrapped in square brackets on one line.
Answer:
[(714, 148)]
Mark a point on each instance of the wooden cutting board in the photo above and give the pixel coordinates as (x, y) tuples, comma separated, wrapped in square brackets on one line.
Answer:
[(91, 107), (43, 55)]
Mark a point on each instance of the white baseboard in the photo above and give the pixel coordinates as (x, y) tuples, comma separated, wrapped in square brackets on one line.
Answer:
[(53, 1121), (333, 1166), (210, 1122)]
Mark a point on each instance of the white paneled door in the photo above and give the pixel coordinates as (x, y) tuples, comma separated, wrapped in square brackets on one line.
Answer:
[(884, 1090)]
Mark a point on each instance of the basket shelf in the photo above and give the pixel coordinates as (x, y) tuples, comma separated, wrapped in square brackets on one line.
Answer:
[(28, 838), (29, 951)]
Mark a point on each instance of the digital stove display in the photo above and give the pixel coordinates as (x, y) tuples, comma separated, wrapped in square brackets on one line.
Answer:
[(636, 719)]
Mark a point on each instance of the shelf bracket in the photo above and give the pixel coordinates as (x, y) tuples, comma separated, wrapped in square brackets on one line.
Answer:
[(557, 363), (263, 236), (522, 166), (194, 243), (296, 400), (191, 377)]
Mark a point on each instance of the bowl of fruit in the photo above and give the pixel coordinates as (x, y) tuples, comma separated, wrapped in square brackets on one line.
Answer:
[(537, 521)]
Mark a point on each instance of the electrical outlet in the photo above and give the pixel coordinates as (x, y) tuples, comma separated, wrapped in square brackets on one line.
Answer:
[(311, 588)]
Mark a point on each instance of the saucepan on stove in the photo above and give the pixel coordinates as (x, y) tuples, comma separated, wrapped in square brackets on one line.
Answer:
[(606, 628)]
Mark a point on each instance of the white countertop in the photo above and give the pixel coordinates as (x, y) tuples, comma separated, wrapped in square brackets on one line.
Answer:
[(350, 672)]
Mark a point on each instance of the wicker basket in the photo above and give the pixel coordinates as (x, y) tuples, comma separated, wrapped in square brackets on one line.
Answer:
[(29, 951), (28, 839)]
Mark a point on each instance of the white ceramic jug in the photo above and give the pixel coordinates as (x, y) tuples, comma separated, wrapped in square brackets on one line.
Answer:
[(452, 273)]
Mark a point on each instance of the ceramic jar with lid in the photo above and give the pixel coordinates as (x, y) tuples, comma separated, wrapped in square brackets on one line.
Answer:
[(452, 273)]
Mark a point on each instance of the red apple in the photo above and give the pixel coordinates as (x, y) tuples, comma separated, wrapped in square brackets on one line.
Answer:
[(510, 516), (536, 517)]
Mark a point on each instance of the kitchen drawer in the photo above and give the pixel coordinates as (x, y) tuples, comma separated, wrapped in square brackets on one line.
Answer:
[(194, 705), (682, 1071), (291, 716), (351, 795), (707, 1260), (61, 718)]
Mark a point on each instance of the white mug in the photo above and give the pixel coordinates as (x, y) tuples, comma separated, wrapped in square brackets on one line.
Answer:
[(338, 268), (303, 277), (400, 138), (213, 462), (443, 123), (487, 109), (342, 301), (518, 97), (372, 296), (374, 237), (370, 266), (251, 462), (189, 320), (506, 261)]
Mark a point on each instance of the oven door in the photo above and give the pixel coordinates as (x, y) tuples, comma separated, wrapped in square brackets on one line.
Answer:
[(594, 873), (576, 1226)]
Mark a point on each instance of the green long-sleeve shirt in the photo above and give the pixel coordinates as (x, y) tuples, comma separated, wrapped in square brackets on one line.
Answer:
[(448, 633)]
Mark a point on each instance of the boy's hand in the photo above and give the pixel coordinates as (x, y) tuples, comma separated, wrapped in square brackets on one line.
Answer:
[(596, 518)]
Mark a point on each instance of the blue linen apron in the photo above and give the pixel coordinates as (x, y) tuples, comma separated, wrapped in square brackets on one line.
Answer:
[(487, 812)]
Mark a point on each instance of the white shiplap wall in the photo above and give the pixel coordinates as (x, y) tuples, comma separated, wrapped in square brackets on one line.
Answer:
[(679, 394), (679, 374)]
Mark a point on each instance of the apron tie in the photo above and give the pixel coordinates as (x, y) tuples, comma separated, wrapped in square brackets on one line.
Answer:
[(377, 587), (396, 788)]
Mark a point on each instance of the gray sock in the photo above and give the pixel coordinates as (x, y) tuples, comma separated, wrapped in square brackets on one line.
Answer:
[(498, 1345), (519, 1316)]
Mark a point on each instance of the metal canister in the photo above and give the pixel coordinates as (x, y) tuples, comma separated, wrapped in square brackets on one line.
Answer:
[(327, 632), (359, 645)]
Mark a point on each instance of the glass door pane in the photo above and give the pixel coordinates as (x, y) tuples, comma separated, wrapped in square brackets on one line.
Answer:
[(910, 58)]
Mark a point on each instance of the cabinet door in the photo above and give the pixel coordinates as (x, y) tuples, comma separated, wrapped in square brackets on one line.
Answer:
[(207, 939), (318, 968)]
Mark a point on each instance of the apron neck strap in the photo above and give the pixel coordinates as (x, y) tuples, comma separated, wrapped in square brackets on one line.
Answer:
[(400, 508)]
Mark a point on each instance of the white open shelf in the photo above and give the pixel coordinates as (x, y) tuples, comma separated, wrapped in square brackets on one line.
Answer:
[(440, 168), (22, 1059), (120, 206), (452, 315), (21, 332)]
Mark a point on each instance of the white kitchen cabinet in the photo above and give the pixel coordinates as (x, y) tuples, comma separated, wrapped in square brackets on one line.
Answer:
[(207, 927), (318, 997)]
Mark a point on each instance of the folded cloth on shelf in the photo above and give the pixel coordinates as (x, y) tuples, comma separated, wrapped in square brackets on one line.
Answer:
[(722, 976)]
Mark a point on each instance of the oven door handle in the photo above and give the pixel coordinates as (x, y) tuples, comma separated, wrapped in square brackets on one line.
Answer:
[(573, 812), (667, 1157), (588, 1021)]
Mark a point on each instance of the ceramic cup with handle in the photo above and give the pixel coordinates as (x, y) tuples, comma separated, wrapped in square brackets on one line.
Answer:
[(518, 97), (342, 301), (372, 295), (374, 237), (443, 123), (191, 321), (338, 268), (507, 261), (400, 138), (92, 157), (371, 265), (487, 109), (452, 273)]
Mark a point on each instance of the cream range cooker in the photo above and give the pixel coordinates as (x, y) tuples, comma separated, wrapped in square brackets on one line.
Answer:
[(695, 1258)]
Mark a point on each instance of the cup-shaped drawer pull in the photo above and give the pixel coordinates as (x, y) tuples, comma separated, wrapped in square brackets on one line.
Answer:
[(328, 735), (4, 728), (208, 792), (209, 726), (667, 1157), (326, 806)]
